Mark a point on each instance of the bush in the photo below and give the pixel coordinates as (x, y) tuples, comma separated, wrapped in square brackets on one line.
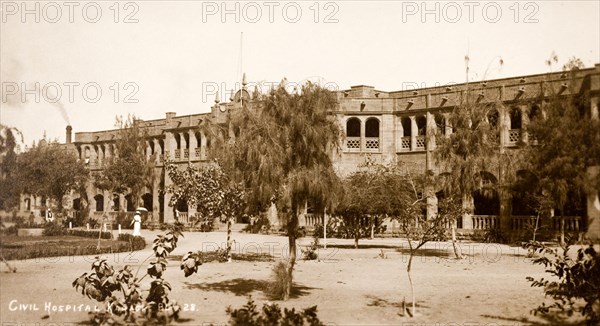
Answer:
[(136, 242), (311, 253), (579, 279), (89, 234), (271, 315), (280, 279), (53, 229), (261, 224)]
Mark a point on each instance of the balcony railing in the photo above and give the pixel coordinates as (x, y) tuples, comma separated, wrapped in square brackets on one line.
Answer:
[(523, 222), (198, 152), (177, 154), (514, 136), (572, 223), (312, 220), (420, 142), (371, 143), (483, 222), (405, 143), (353, 143), (186, 153)]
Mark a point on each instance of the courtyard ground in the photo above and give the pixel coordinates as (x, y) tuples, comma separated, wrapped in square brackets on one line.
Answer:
[(350, 286)]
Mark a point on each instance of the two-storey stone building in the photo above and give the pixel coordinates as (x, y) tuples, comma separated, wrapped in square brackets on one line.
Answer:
[(385, 127)]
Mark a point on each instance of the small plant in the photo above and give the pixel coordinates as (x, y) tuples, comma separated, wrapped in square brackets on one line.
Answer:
[(311, 253), (104, 285), (271, 314), (280, 281), (579, 280)]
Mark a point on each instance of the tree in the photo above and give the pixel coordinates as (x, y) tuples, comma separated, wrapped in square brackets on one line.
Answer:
[(50, 170), (474, 146), (366, 196), (211, 191), (567, 145), (414, 223), (127, 169), (279, 145), (9, 196)]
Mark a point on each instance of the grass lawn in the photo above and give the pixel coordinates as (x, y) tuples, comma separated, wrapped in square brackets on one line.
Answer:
[(26, 247)]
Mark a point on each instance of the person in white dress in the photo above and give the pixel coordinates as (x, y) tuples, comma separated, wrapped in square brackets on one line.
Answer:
[(137, 223)]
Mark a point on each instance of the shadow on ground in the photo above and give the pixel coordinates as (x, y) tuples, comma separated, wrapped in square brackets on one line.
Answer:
[(550, 319), (375, 301), (244, 287)]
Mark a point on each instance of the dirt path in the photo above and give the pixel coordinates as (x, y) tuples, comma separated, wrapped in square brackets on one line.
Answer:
[(349, 286)]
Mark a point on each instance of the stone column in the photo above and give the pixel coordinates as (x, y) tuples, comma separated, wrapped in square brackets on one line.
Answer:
[(157, 148), (362, 135), (170, 146), (414, 131), (202, 146), (193, 144), (447, 127), (467, 221), (525, 110), (122, 203)]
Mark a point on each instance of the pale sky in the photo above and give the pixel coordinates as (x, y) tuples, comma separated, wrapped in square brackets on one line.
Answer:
[(179, 52)]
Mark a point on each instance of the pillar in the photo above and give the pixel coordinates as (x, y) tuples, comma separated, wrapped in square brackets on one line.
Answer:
[(193, 144), (202, 145), (468, 205), (362, 135), (157, 148), (414, 131)]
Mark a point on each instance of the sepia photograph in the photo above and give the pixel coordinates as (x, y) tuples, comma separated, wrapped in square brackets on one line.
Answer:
[(302, 162)]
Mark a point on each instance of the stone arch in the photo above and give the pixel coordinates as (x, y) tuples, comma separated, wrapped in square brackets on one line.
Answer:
[(372, 127), (353, 127), (440, 123), (129, 200), (116, 202), (422, 125), (521, 201), (147, 201), (515, 118), (99, 198), (406, 127), (485, 199)]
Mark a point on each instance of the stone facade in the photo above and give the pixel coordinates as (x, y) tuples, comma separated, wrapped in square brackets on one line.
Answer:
[(384, 127)]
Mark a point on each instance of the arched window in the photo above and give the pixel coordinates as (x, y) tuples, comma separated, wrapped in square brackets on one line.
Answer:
[(440, 124), (372, 127), (130, 203), (515, 118), (27, 204), (116, 202), (493, 118), (372, 133), (406, 127), (147, 199), (422, 125), (353, 127), (99, 203), (486, 199)]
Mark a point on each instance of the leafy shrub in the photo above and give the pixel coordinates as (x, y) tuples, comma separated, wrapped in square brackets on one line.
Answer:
[(11, 230), (89, 234), (261, 224), (311, 253), (579, 279), (53, 229), (137, 242), (338, 228), (134, 306), (279, 280), (271, 315), (493, 235)]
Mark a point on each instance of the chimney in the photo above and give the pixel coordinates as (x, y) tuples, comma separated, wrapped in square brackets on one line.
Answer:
[(68, 136)]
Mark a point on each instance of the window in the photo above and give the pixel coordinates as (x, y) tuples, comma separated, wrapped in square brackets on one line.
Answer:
[(353, 133)]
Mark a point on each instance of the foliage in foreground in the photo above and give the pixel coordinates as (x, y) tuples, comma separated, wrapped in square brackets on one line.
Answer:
[(271, 314), (104, 285), (578, 280)]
